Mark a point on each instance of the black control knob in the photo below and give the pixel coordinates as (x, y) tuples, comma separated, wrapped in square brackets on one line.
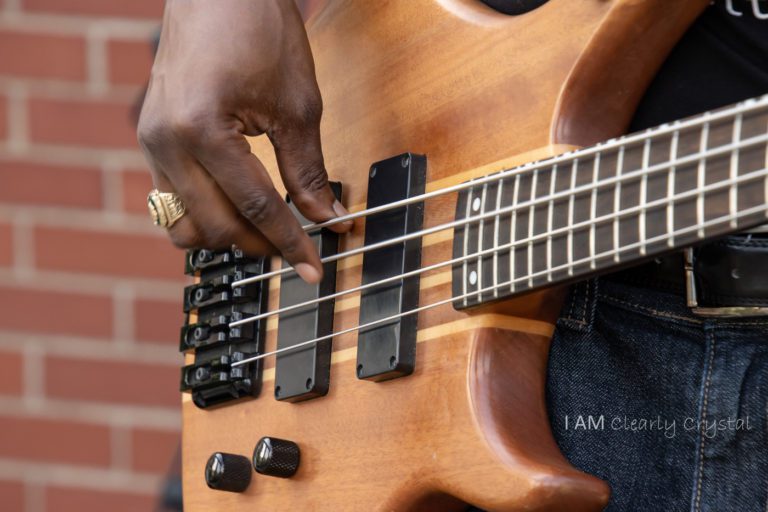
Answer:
[(227, 472), (276, 457)]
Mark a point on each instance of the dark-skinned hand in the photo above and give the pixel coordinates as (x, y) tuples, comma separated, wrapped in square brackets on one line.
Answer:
[(226, 69)]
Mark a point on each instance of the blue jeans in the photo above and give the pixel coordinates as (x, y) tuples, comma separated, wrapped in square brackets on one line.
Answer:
[(667, 407)]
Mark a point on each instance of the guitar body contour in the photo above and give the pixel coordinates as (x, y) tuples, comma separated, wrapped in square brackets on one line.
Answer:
[(465, 86)]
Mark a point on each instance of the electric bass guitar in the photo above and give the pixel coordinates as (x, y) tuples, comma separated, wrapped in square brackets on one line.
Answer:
[(478, 154)]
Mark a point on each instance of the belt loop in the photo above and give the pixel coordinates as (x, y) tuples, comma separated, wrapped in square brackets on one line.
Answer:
[(579, 308)]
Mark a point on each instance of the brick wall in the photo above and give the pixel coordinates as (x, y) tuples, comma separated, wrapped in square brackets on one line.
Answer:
[(89, 290)]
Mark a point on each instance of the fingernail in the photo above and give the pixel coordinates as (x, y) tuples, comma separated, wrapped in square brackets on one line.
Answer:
[(341, 212), (307, 272)]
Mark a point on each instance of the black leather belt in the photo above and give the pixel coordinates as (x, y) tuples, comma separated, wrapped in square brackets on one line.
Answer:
[(728, 277)]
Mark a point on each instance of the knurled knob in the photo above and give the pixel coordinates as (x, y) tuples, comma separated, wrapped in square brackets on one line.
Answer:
[(276, 457), (228, 472)]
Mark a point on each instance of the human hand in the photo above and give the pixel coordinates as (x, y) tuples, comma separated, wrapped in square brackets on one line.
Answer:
[(226, 69)]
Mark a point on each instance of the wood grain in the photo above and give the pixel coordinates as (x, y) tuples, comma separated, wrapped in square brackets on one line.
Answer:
[(467, 87)]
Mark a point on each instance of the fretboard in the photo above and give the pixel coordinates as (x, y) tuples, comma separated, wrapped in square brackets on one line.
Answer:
[(613, 204)]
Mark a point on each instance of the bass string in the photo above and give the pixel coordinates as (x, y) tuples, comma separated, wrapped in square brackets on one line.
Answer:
[(661, 202), (489, 289), (539, 201), (746, 107)]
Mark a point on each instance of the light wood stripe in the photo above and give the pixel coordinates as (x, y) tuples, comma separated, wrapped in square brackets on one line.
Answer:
[(470, 323)]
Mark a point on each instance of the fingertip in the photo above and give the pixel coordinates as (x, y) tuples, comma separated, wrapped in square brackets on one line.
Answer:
[(308, 273), (340, 211)]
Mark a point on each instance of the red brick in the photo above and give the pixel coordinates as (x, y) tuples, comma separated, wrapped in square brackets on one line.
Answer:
[(48, 440), (129, 61), (12, 496), (50, 312), (59, 499), (37, 55), (11, 373), (158, 321), (153, 450), (113, 381), (6, 245), (119, 8), (93, 123), (50, 185), (3, 117), (100, 252), (135, 186)]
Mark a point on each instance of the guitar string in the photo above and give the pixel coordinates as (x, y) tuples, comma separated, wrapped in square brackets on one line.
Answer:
[(746, 107), (692, 158), (660, 238), (662, 202)]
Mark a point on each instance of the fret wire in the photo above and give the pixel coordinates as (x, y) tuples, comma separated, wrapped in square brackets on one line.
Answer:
[(701, 176), (514, 243), (391, 318), (617, 202), (531, 213), (480, 229), (571, 201), (550, 215), (496, 237), (465, 266), (671, 189), (733, 195), (593, 209), (644, 195), (513, 228), (720, 150)]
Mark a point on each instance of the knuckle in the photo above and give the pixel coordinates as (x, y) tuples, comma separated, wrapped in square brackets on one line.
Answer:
[(151, 132), (189, 124), (256, 208), (312, 178), (310, 111), (305, 109)]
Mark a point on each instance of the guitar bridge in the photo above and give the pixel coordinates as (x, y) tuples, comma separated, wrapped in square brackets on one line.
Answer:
[(211, 305)]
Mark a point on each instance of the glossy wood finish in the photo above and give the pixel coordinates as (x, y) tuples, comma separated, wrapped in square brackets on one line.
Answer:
[(465, 86)]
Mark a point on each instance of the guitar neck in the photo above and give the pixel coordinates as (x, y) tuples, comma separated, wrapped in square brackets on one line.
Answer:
[(614, 204)]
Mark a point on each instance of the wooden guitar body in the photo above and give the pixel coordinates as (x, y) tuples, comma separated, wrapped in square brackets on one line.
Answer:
[(465, 86)]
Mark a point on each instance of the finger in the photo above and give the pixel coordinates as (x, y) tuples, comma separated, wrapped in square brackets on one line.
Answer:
[(246, 183), (302, 168), (210, 220), (184, 233)]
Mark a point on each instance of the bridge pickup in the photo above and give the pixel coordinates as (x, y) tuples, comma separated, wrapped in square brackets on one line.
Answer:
[(212, 305), (388, 350), (304, 373)]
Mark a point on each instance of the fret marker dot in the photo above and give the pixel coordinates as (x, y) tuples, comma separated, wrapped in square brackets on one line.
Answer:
[(476, 204), (473, 278)]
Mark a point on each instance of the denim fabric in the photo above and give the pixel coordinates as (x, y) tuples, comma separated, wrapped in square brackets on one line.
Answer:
[(668, 407)]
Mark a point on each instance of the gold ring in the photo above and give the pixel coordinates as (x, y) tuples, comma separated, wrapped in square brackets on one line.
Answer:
[(165, 208)]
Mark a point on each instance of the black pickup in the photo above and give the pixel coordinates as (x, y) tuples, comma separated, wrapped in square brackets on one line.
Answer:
[(387, 350), (304, 373)]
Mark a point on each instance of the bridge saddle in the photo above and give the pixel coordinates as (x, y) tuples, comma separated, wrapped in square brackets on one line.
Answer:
[(211, 305)]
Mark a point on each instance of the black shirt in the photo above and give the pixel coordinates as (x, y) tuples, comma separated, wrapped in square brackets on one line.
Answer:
[(721, 59)]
